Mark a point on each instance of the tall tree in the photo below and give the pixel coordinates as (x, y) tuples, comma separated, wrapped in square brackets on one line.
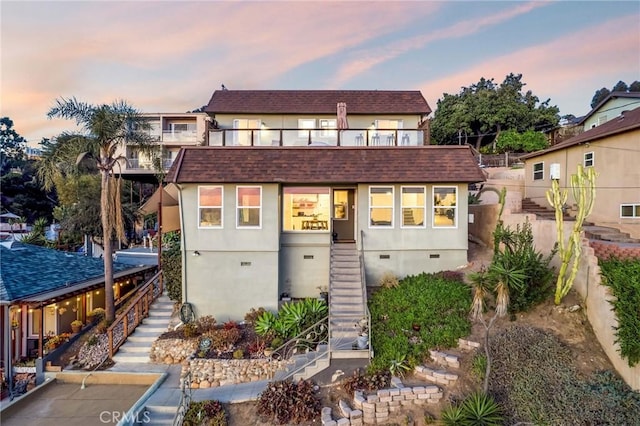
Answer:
[(104, 128), (635, 86), (620, 86), (479, 113), (599, 96), (12, 145)]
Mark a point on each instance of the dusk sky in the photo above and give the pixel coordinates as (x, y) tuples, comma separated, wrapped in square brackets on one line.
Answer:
[(170, 56)]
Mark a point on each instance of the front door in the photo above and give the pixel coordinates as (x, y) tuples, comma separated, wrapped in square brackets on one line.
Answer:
[(344, 215)]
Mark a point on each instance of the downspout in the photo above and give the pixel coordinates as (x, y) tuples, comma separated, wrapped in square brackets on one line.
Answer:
[(8, 367), (182, 242)]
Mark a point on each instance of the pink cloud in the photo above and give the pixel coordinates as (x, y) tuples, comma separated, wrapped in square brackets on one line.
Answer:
[(367, 59), (570, 68)]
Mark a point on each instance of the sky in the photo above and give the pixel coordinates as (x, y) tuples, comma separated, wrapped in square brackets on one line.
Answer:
[(170, 56)]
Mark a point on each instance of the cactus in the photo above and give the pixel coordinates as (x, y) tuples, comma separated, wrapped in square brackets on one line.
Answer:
[(583, 189)]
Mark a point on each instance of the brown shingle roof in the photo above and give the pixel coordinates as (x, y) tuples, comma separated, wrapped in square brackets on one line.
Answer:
[(317, 102), (628, 121), (325, 165)]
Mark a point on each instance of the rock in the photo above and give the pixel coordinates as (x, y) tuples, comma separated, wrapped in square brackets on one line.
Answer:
[(574, 308), (205, 384)]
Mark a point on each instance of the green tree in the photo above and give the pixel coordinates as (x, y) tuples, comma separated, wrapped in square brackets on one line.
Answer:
[(599, 96), (635, 86), (105, 127), (528, 141), (480, 112), (620, 86), (12, 146)]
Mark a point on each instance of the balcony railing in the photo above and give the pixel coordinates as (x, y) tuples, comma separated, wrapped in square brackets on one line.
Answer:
[(317, 137), (174, 136), (137, 164)]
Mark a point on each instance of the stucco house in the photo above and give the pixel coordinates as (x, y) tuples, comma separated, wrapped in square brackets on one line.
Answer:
[(609, 108), (258, 222), (613, 148)]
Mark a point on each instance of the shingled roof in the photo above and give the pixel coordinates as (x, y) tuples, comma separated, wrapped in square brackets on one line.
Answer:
[(32, 273), (325, 165), (317, 102), (629, 120)]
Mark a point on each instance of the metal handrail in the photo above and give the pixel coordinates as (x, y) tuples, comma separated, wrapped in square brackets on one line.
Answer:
[(185, 400), (132, 316), (364, 291), (304, 341)]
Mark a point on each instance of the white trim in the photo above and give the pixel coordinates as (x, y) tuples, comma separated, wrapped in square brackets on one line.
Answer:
[(634, 206), (452, 207), (239, 207), (221, 207), (534, 171), (423, 207), (593, 159), (392, 206)]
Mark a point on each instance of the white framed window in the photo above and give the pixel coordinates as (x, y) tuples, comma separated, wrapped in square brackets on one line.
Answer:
[(305, 123), (248, 206), (210, 206), (413, 205), (328, 127), (244, 130), (630, 211), (306, 208), (445, 206), (538, 171), (381, 207), (602, 119), (589, 159)]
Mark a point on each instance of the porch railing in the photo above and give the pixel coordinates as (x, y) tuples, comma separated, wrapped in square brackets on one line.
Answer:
[(137, 310)]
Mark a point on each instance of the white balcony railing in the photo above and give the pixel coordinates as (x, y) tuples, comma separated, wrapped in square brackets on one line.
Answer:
[(139, 165)]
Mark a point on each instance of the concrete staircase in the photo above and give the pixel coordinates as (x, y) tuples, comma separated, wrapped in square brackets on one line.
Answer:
[(138, 345), (529, 206), (346, 301), (605, 233)]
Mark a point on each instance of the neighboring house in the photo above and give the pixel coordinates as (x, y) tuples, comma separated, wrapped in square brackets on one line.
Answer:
[(261, 221), (609, 108), (171, 131), (43, 290), (613, 148), (304, 117)]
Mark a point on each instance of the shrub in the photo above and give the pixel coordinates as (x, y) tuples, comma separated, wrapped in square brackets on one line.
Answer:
[(238, 353), (389, 280), (208, 412), (252, 316), (172, 268), (623, 277), (534, 380), (475, 410), (439, 305), (371, 381), (205, 324), (285, 402), (224, 338), (97, 314), (190, 330), (291, 319)]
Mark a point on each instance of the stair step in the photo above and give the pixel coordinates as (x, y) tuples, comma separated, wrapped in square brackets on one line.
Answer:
[(157, 415), (136, 358), (152, 328)]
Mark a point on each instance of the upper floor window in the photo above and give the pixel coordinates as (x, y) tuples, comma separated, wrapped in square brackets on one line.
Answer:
[(328, 127), (249, 206), (538, 171), (247, 131), (306, 123), (381, 206), (445, 206), (602, 119), (210, 206), (630, 211), (589, 158), (413, 206)]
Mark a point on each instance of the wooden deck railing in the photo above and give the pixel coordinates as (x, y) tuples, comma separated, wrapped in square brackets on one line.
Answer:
[(137, 310)]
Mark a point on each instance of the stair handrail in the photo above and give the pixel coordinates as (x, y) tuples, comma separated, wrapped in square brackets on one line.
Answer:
[(363, 280), (185, 399), (138, 309), (304, 339)]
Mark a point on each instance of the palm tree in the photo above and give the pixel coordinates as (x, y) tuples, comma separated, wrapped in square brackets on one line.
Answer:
[(105, 127)]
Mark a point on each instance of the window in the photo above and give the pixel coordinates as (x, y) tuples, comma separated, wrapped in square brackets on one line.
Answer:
[(381, 206), (306, 208), (249, 206), (210, 206), (245, 130), (538, 171), (306, 123), (341, 204), (386, 131), (445, 203), (413, 206), (602, 119), (328, 127), (588, 159), (630, 211)]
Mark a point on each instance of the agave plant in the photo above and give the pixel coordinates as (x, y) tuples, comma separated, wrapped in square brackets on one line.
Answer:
[(265, 324), (480, 409)]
